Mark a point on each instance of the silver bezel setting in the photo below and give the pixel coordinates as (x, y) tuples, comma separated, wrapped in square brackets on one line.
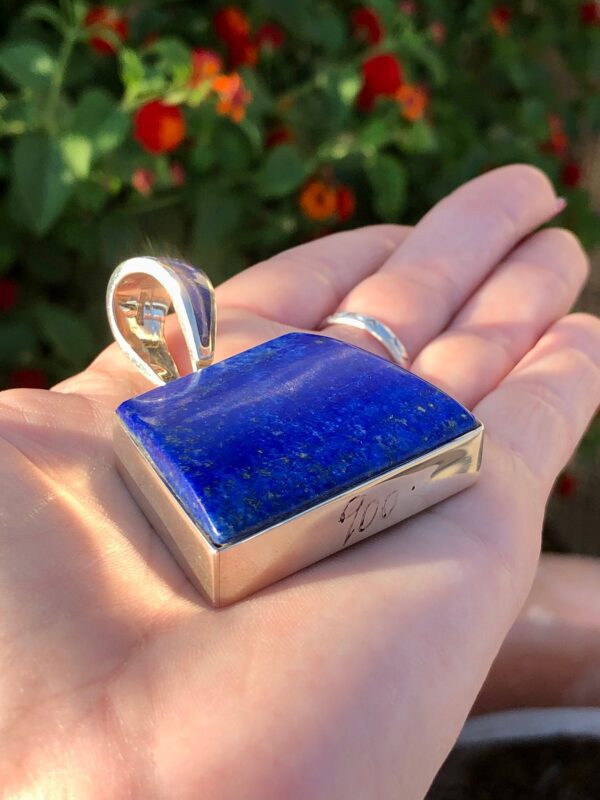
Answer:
[(225, 574)]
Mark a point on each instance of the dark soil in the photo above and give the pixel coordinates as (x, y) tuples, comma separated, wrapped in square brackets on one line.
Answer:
[(562, 769)]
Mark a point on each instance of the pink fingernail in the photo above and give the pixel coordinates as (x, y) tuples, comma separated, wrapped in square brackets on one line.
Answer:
[(561, 204)]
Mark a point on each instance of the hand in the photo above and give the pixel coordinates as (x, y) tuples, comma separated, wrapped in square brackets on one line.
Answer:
[(353, 677)]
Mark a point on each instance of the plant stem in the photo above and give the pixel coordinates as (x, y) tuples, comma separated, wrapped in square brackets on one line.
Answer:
[(66, 48)]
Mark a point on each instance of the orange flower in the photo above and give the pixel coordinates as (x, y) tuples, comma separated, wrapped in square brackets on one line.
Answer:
[(500, 17), (206, 64), (558, 141), (108, 18), (159, 127), (233, 97), (345, 203), (413, 101), (318, 200)]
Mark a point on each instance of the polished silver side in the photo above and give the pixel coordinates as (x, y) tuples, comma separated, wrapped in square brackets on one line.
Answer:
[(229, 573)]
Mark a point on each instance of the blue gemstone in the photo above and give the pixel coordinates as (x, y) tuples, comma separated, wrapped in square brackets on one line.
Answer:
[(255, 439)]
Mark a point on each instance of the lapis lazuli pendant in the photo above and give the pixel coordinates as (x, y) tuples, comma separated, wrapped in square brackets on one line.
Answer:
[(257, 466)]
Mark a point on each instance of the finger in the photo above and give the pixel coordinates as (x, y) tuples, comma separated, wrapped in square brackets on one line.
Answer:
[(541, 409), (536, 285), (301, 286), (551, 655), (447, 255)]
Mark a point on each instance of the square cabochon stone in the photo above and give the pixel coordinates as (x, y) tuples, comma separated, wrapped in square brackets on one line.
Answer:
[(253, 440)]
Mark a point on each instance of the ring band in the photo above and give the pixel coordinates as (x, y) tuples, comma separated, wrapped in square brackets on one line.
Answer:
[(378, 330)]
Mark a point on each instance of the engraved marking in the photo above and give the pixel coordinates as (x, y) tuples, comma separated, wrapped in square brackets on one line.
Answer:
[(361, 514), (374, 504), (389, 504), (351, 512)]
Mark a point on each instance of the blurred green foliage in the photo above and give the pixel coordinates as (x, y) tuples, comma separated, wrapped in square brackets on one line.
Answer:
[(81, 192)]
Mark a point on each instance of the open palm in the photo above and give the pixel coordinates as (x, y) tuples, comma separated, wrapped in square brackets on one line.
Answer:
[(352, 678)]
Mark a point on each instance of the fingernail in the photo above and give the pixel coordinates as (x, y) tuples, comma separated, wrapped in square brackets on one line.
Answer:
[(561, 204)]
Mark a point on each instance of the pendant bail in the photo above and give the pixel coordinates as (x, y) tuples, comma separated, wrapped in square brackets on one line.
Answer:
[(141, 292)]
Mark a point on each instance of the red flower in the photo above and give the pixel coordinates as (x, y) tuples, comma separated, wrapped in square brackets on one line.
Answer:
[(108, 18), (558, 140), (158, 127), (382, 75), (143, 180), (269, 36), (590, 13), (27, 379), (408, 7), (571, 173), (366, 25), (438, 32), (177, 173), (242, 52), (500, 18), (231, 23), (232, 26), (566, 485), (9, 291), (345, 203), (278, 135), (206, 64)]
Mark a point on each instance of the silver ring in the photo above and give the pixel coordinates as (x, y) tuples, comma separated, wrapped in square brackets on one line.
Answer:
[(378, 330)]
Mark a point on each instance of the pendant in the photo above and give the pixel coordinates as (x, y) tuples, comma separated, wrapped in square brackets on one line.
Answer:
[(255, 467)]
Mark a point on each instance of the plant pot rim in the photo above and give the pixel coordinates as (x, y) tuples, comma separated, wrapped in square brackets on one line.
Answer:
[(530, 724)]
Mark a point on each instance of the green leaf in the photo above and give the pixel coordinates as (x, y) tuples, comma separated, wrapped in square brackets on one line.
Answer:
[(100, 120), (28, 64), (325, 28), (66, 333), (283, 170), (417, 137), (77, 153), (42, 180), (17, 342), (45, 13), (378, 131), (231, 148), (132, 68), (8, 249), (174, 58), (219, 214), (388, 182)]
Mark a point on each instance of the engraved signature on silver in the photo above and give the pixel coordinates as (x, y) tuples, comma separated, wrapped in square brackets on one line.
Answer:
[(361, 512)]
